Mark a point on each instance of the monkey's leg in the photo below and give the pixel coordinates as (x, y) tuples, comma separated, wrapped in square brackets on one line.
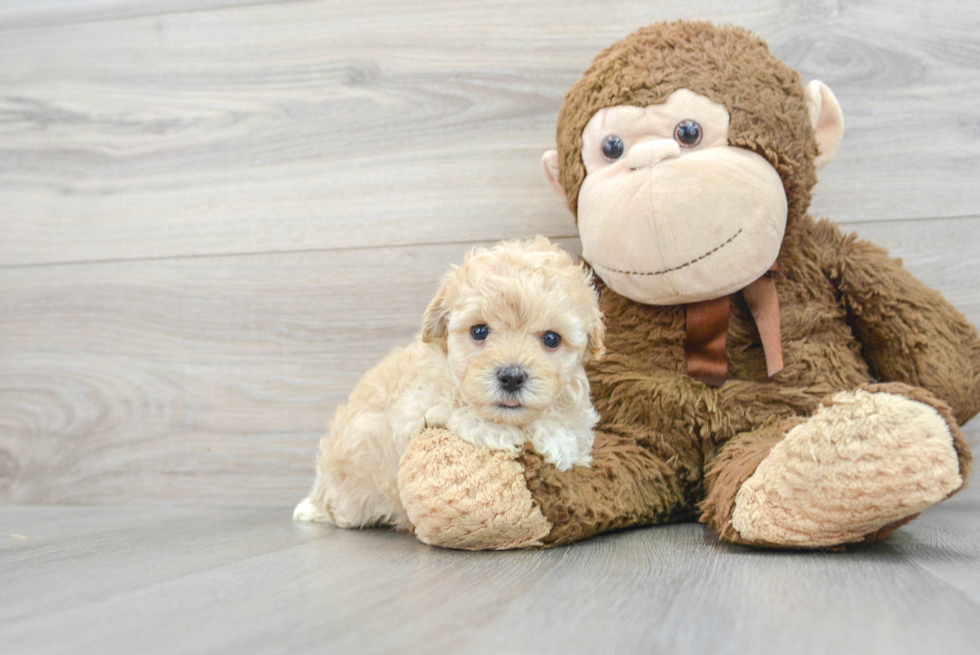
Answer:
[(458, 495), (865, 463)]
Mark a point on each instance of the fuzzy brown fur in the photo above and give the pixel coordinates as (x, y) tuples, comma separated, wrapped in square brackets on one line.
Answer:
[(671, 448), (763, 95)]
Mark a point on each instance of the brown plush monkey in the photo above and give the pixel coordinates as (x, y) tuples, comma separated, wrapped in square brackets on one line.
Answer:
[(785, 383)]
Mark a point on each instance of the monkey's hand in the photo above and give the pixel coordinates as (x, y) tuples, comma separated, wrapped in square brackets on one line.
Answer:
[(461, 495)]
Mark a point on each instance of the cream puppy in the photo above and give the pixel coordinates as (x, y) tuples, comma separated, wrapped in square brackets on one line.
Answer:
[(499, 361)]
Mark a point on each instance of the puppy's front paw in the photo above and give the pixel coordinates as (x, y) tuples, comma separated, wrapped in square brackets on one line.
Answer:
[(458, 495), (560, 445)]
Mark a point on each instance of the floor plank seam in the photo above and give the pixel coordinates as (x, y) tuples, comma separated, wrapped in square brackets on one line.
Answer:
[(961, 217), (299, 251)]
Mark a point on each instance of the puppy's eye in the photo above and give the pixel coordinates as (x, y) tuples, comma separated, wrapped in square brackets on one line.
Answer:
[(479, 332), (551, 339), (612, 147), (688, 133)]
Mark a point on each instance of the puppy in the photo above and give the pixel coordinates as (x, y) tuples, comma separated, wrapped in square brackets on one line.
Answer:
[(499, 361)]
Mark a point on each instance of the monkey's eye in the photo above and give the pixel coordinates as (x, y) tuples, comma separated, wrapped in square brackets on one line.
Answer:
[(479, 332), (688, 133), (551, 339), (612, 147)]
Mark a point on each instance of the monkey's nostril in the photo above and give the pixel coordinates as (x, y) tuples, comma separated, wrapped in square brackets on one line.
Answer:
[(512, 378)]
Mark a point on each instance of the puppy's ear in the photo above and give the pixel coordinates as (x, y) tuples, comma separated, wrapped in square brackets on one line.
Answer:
[(596, 346), (435, 321)]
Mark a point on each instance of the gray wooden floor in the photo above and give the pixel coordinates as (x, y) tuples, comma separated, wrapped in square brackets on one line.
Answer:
[(231, 580), (215, 215)]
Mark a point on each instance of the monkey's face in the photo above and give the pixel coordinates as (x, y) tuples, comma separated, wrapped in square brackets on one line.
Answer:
[(669, 212)]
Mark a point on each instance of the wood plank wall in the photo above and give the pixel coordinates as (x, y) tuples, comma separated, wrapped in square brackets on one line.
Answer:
[(216, 215)]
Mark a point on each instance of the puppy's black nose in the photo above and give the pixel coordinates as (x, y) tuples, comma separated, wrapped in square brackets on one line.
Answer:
[(511, 379)]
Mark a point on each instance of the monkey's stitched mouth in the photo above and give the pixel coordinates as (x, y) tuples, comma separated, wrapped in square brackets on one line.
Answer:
[(673, 268)]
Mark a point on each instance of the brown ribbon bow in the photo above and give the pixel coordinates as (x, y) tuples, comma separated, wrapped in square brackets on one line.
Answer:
[(707, 331)]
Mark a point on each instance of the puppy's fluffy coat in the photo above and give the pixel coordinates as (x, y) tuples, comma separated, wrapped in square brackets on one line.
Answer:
[(484, 366)]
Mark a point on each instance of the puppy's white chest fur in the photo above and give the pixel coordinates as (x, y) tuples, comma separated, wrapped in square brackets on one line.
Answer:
[(561, 434), (562, 443)]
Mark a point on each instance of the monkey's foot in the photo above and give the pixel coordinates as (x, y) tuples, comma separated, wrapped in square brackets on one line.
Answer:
[(863, 464), (458, 495)]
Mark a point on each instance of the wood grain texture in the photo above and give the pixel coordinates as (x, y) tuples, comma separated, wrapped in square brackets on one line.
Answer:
[(132, 130), (198, 380), (199, 580), (33, 14)]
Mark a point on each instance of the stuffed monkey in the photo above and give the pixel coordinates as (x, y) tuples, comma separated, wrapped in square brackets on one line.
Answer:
[(785, 383)]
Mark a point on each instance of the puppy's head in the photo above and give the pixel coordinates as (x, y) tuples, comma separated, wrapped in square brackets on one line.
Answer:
[(517, 321)]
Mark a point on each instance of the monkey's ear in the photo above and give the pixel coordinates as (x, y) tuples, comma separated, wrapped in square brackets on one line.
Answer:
[(435, 321), (826, 119), (549, 164)]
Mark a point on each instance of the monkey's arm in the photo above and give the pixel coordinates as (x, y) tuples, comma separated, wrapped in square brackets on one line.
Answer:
[(909, 333), (459, 495), (627, 484)]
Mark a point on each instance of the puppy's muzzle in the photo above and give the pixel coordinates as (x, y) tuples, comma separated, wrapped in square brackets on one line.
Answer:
[(511, 379)]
